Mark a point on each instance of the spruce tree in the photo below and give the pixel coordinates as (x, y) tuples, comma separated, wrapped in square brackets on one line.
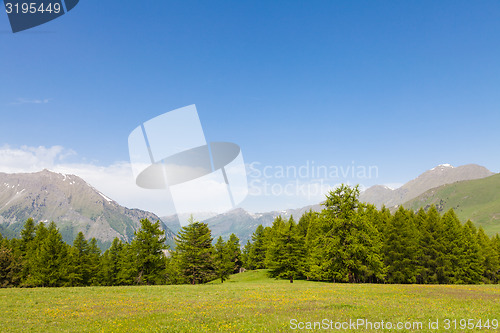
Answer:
[(94, 263), (453, 254), (195, 252), (234, 249), (79, 264), (48, 261), (489, 257), (432, 248), (257, 252), (224, 265), (353, 244), (109, 265), (10, 266), (471, 270), (148, 245), (401, 248), (286, 252), (127, 266)]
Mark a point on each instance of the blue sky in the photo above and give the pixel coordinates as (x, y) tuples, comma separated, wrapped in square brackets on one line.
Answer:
[(401, 85)]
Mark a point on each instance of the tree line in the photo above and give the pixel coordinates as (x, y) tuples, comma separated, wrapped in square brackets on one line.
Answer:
[(40, 258), (348, 241)]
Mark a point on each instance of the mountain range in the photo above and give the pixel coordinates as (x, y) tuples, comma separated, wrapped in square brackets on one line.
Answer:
[(74, 205), (443, 174), (243, 223), (71, 203), (476, 200)]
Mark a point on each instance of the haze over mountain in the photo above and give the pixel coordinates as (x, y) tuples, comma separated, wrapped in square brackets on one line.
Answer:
[(71, 203), (443, 174)]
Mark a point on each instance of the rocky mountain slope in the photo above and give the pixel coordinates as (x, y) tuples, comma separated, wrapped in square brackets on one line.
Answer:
[(70, 202)]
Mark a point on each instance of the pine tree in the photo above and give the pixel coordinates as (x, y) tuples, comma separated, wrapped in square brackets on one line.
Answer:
[(489, 257), (432, 248), (195, 252), (257, 252), (25, 245), (472, 260), (234, 249), (224, 265), (27, 234), (48, 261), (453, 243), (79, 263), (401, 248), (343, 201), (244, 255), (148, 244), (127, 266), (352, 246), (10, 266), (109, 265), (94, 263), (286, 256)]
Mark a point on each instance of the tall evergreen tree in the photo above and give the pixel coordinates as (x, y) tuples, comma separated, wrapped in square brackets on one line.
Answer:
[(148, 244), (257, 252), (234, 249), (49, 259), (353, 244), (94, 262), (79, 262), (490, 263), (472, 260), (224, 265), (286, 256), (10, 266), (401, 248), (432, 248), (195, 252), (127, 263), (110, 263), (453, 243)]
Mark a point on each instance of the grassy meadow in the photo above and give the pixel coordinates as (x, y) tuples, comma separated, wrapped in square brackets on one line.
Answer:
[(248, 302)]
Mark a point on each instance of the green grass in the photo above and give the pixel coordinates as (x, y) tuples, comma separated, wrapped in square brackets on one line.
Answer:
[(477, 200), (249, 302)]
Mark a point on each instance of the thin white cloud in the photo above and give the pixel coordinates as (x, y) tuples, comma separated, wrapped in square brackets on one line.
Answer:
[(115, 181), (20, 101)]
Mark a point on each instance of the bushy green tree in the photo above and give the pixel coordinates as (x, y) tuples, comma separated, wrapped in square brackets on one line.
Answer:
[(110, 264), (148, 245), (401, 248), (286, 252), (195, 252), (48, 258), (224, 265), (490, 264), (79, 269), (234, 250), (257, 251)]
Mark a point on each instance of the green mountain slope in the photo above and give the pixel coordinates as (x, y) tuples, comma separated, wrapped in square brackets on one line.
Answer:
[(477, 200)]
